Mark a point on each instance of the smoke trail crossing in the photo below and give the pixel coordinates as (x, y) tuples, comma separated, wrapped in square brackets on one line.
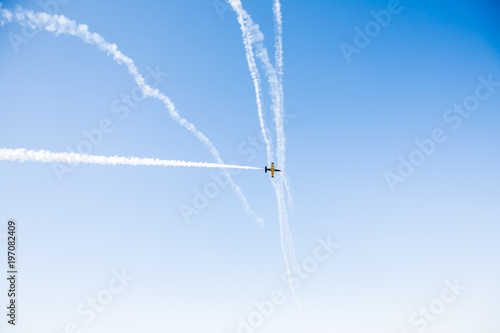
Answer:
[(278, 23), (253, 36), (59, 24), (45, 156), (254, 73)]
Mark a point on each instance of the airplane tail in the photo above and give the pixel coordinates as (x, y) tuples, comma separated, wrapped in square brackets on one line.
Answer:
[(266, 169)]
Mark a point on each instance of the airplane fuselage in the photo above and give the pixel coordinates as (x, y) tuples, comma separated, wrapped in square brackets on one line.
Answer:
[(272, 169)]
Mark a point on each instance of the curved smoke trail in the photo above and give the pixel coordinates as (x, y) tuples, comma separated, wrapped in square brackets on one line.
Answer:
[(59, 24), (254, 72), (253, 36)]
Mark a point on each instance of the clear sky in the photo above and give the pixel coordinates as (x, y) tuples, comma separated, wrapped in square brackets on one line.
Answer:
[(384, 158)]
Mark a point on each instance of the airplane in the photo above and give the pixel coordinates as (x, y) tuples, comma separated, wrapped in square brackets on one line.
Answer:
[(272, 169)]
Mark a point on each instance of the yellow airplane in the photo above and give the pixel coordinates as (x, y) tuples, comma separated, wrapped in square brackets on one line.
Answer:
[(272, 169)]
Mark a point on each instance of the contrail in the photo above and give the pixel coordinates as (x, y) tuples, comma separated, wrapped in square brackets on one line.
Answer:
[(278, 23), (253, 36), (254, 73), (45, 156), (59, 24)]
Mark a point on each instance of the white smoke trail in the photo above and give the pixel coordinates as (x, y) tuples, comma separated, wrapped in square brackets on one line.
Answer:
[(278, 23), (5, 15), (252, 36), (274, 78), (254, 72), (45, 156), (59, 24)]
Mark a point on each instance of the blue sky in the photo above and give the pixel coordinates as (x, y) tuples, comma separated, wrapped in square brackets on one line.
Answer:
[(348, 124)]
